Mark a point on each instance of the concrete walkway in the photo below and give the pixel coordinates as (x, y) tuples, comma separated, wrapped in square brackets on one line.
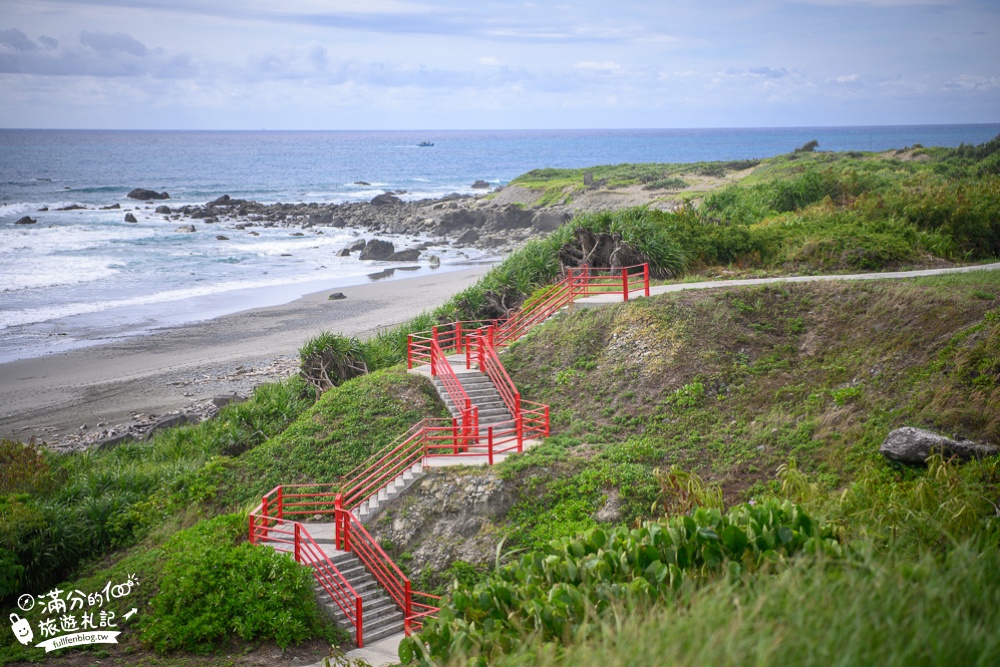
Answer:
[(378, 654), (606, 299)]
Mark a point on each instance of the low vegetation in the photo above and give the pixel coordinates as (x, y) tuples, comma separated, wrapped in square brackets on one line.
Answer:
[(687, 416)]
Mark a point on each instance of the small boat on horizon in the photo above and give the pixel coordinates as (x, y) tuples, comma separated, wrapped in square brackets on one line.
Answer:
[(425, 144)]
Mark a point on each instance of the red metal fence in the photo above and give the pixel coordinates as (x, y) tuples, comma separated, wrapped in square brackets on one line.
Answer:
[(460, 436)]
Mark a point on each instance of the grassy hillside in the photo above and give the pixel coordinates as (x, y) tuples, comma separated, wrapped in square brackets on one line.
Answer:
[(654, 404)]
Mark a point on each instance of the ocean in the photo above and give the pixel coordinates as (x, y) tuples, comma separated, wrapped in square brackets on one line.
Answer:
[(83, 277)]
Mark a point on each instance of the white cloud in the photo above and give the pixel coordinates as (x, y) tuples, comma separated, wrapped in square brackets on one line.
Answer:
[(847, 78), (607, 66), (972, 82)]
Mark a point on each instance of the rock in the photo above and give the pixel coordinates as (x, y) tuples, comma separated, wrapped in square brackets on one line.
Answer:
[(362, 183), (386, 199), (222, 400), (164, 210), (550, 219), (480, 185), (43, 209), (915, 445), (220, 237), (130, 218), (343, 252), (468, 236), (72, 207), (26, 220), (170, 421), (357, 245), (186, 229), (336, 296), (378, 249), (146, 195), (408, 255), (298, 234), (111, 441), (113, 207), (434, 261)]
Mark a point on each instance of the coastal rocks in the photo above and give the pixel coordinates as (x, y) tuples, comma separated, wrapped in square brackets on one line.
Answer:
[(434, 261), (336, 296), (357, 246), (146, 195), (26, 220), (130, 218), (915, 445), (408, 255), (480, 185), (378, 249), (186, 229), (387, 199), (113, 207), (343, 252), (165, 210), (72, 207), (468, 237), (220, 237)]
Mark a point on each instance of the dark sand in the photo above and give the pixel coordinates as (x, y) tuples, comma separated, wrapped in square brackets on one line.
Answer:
[(169, 369)]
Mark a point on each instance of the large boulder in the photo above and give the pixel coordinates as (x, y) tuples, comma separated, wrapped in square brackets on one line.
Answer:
[(915, 445), (468, 236), (387, 199), (378, 249), (409, 255), (26, 220), (357, 246), (480, 185), (146, 195), (130, 218), (165, 210)]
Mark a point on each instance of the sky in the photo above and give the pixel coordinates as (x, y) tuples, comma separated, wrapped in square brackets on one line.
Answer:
[(485, 64)]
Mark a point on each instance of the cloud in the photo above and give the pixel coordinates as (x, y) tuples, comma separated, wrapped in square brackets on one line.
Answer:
[(100, 54), (761, 72), (847, 78), (972, 82), (604, 67), (109, 44)]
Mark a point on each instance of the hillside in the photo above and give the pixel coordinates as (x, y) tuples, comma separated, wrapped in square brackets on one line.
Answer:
[(710, 407)]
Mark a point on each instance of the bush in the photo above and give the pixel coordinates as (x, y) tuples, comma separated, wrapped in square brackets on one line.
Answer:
[(213, 587)]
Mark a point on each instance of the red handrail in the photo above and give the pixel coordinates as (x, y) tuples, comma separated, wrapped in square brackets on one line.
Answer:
[(490, 364), (293, 538)]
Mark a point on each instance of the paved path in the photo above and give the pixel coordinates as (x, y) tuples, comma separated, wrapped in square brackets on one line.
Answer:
[(378, 654), (605, 299)]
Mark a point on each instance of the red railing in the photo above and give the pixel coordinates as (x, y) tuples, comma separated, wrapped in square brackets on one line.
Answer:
[(292, 537), (428, 438), (490, 364), (441, 369)]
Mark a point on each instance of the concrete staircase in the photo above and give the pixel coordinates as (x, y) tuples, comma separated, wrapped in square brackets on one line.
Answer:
[(381, 617), (482, 393), (371, 508)]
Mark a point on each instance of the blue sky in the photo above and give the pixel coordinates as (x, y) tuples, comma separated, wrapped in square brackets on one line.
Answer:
[(450, 64)]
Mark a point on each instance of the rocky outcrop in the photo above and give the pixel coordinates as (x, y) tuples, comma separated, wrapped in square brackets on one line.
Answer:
[(130, 218), (165, 210), (446, 516), (143, 194), (186, 229), (480, 185), (26, 220), (914, 445), (378, 249), (387, 199)]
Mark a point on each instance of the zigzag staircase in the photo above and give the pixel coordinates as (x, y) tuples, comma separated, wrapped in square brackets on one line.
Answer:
[(356, 581)]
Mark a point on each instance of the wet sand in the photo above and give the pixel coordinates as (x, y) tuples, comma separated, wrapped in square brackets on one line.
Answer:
[(168, 369)]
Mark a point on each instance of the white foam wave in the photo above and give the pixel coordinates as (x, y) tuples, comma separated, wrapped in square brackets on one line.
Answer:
[(52, 312), (27, 271)]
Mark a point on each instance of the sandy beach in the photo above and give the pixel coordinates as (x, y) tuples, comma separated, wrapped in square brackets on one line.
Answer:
[(50, 397)]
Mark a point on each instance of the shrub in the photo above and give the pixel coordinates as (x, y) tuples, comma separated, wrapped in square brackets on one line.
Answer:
[(213, 587)]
